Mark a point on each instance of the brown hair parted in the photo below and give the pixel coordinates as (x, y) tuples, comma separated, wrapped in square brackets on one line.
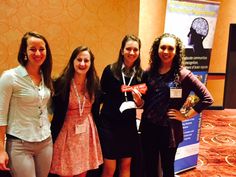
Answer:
[(46, 67), (92, 84), (116, 67)]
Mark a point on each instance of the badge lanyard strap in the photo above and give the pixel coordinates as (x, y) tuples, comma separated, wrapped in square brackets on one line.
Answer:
[(123, 77), (177, 81), (81, 107)]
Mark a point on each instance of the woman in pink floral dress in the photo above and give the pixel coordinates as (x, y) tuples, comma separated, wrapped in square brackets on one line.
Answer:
[(76, 143)]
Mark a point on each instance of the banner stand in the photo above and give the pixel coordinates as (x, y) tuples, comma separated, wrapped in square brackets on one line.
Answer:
[(194, 23)]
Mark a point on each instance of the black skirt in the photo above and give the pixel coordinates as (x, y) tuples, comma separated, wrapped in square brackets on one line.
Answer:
[(118, 137)]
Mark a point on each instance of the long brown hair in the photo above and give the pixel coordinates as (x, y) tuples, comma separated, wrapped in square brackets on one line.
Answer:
[(46, 67), (92, 84), (116, 67)]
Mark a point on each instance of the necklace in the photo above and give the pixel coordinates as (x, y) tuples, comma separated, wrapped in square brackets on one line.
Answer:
[(81, 107), (128, 72)]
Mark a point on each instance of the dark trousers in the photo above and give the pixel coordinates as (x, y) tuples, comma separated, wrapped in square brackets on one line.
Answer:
[(155, 143)]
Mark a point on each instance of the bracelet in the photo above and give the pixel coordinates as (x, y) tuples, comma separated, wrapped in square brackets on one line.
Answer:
[(140, 106), (186, 116)]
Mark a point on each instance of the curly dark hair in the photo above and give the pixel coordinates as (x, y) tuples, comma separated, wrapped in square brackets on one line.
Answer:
[(116, 67), (155, 61)]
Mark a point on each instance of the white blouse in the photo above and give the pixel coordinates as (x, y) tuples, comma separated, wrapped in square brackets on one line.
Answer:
[(23, 106)]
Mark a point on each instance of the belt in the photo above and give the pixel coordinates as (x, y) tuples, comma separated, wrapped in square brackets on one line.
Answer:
[(16, 138), (11, 137)]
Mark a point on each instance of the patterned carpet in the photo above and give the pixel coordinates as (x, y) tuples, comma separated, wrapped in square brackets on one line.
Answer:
[(217, 156)]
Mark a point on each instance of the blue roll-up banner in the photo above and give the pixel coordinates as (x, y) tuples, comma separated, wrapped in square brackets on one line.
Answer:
[(194, 22)]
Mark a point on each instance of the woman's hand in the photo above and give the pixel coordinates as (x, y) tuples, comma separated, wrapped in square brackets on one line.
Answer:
[(4, 160), (137, 96), (176, 114)]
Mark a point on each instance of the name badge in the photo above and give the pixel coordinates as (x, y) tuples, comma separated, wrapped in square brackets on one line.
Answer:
[(80, 128), (127, 105), (175, 92)]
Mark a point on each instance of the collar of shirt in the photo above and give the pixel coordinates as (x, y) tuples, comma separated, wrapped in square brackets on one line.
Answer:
[(21, 70), (128, 72)]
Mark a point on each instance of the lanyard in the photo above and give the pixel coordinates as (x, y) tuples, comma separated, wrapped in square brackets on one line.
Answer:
[(123, 77), (81, 107)]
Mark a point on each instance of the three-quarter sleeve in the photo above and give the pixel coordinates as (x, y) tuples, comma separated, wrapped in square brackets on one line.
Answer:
[(205, 98), (6, 88)]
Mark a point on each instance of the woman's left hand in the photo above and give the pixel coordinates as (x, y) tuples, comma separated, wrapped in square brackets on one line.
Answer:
[(137, 97), (176, 114)]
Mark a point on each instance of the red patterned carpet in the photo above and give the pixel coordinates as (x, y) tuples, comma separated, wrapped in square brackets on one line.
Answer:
[(217, 156)]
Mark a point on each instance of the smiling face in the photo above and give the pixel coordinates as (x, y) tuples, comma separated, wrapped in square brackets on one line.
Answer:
[(35, 52), (167, 50), (82, 63), (130, 53)]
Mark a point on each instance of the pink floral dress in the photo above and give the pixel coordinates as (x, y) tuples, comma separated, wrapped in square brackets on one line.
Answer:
[(77, 148)]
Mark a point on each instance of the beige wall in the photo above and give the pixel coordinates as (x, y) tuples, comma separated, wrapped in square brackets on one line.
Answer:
[(151, 25), (101, 25), (226, 16), (218, 60)]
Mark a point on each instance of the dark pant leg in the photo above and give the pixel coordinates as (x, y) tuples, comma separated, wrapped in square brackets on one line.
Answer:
[(150, 155), (167, 161), (150, 151), (137, 165)]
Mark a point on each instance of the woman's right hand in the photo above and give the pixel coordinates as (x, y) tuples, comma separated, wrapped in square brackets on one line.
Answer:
[(137, 96), (4, 160)]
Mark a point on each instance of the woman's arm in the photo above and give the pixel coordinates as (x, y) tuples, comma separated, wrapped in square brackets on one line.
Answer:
[(3, 154), (200, 90), (176, 114), (6, 92)]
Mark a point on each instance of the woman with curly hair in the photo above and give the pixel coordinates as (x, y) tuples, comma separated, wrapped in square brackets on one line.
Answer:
[(169, 84)]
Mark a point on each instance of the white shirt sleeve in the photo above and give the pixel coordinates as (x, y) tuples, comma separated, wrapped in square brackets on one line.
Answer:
[(6, 88)]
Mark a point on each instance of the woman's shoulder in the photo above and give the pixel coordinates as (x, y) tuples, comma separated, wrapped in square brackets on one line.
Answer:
[(13, 70), (145, 74), (59, 83), (7, 73), (184, 72), (11, 73), (107, 69)]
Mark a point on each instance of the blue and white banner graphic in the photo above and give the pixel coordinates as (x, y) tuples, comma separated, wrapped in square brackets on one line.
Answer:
[(193, 21)]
